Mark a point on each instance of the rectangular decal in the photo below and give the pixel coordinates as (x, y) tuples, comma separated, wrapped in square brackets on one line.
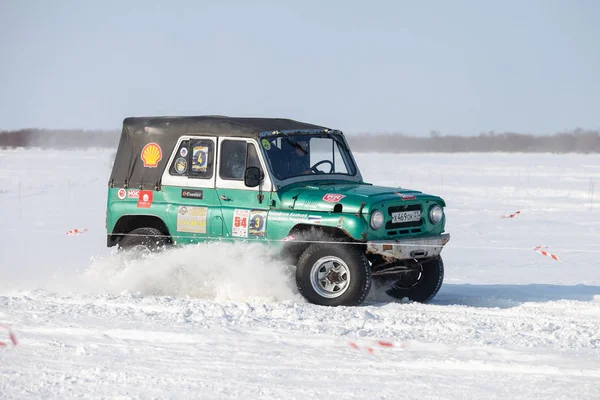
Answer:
[(145, 199), (287, 217), (192, 194), (133, 194), (200, 158), (258, 222), (311, 202), (191, 219), (406, 196), (315, 219), (239, 227)]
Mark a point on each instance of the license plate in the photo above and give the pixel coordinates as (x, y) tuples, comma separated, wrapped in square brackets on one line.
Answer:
[(406, 216)]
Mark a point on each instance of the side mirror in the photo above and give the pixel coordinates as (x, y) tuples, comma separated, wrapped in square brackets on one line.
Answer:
[(252, 177)]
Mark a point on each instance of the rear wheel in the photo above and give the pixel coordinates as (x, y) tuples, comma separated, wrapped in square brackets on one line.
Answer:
[(144, 240), (421, 283), (333, 275)]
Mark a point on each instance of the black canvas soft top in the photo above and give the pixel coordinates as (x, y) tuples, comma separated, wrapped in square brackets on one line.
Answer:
[(157, 137)]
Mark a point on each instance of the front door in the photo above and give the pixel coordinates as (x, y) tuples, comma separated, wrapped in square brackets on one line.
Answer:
[(188, 184), (244, 209)]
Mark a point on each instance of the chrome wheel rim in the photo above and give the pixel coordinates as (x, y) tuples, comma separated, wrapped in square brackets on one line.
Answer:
[(330, 277)]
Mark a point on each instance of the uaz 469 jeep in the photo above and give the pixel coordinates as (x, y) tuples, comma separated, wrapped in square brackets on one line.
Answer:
[(295, 186)]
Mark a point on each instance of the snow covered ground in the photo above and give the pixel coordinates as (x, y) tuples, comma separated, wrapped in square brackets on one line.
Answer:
[(225, 321)]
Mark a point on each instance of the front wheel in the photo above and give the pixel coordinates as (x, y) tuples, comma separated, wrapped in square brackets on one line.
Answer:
[(420, 284), (333, 275)]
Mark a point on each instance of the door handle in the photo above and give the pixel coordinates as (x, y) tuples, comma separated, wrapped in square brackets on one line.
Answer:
[(224, 198)]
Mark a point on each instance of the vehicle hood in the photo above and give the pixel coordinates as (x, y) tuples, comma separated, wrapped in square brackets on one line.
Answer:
[(324, 196)]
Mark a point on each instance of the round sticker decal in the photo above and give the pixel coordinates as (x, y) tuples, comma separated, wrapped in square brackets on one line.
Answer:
[(266, 144), (183, 152), (121, 194), (257, 222), (181, 165)]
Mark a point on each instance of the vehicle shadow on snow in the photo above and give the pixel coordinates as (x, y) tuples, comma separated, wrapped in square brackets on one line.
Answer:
[(507, 296)]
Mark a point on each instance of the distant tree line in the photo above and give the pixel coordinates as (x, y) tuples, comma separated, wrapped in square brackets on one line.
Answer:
[(59, 139), (575, 141)]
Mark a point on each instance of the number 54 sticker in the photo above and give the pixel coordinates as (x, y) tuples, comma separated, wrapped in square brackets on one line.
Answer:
[(240, 223)]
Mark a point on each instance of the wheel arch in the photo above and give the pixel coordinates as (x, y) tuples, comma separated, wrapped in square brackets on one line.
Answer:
[(128, 223), (305, 234)]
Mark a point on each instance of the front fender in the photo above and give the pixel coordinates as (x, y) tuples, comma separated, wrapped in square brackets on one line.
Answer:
[(354, 226)]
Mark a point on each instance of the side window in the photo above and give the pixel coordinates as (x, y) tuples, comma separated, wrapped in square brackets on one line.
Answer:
[(236, 157), (201, 154), (233, 160)]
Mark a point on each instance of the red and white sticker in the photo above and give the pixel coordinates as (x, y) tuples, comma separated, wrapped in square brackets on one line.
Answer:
[(333, 198), (133, 194), (121, 194), (404, 196), (540, 250), (239, 226), (145, 199)]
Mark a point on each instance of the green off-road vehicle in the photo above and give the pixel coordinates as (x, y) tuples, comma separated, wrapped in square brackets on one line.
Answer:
[(291, 185)]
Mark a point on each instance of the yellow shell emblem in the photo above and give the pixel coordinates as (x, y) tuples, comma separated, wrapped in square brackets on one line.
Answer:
[(151, 155)]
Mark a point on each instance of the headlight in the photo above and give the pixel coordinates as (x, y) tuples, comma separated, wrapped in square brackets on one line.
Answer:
[(435, 214), (376, 219)]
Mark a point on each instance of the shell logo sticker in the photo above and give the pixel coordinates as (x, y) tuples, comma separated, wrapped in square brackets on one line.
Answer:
[(151, 155), (333, 198)]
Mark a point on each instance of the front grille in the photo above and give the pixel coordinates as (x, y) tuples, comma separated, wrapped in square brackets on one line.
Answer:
[(410, 207), (401, 228), (399, 225)]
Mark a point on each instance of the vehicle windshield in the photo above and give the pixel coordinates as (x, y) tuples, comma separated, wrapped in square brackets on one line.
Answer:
[(291, 155)]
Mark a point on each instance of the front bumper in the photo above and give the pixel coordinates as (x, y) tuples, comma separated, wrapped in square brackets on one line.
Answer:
[(408, 249)]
